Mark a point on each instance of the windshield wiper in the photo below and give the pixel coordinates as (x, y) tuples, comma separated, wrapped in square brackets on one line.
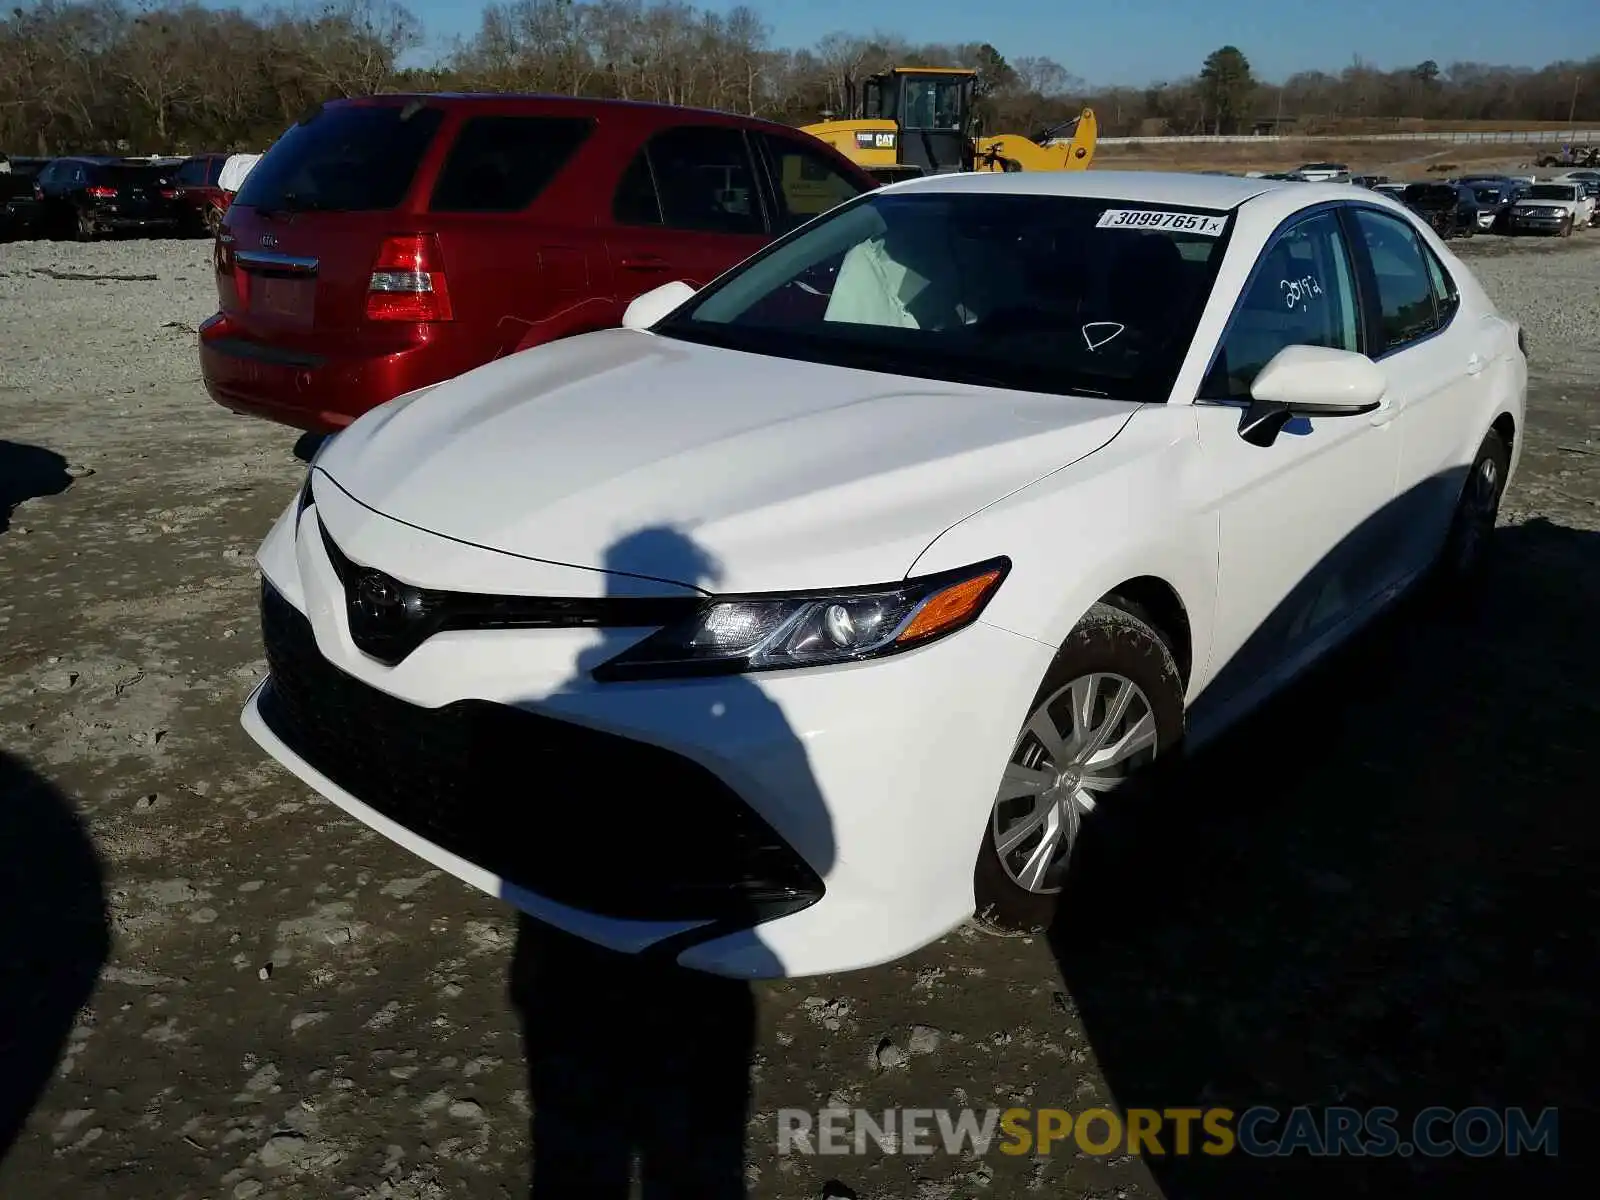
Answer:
[(292, 202)]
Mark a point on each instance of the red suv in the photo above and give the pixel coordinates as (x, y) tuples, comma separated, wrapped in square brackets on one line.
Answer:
[(200, 199), (390, 242)]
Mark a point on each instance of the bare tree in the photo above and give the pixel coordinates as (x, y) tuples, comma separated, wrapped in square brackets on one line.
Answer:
[(87, 75)]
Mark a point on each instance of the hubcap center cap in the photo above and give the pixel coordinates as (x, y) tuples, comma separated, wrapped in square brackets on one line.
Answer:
[(1069, 779)]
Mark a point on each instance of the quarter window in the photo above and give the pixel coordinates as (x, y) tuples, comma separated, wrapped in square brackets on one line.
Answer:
[(1303, 294), (703, 180), (1405, 283), (806, 184), (1446, 297), (502, 164)]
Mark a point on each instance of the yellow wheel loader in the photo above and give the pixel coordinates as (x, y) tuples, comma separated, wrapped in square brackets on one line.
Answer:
[(920, 121)]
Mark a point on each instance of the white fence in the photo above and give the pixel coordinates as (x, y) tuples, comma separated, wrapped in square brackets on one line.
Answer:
[(1553, 138)]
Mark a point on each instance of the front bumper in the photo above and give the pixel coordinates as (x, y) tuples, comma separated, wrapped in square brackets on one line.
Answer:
[(873, 781), (1523, 222)]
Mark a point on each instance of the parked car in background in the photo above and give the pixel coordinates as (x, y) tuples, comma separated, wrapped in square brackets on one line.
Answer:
[(85, 197), (1368, 181), (1591, 191), (1495, 194), (1322, 172), (1556, 208), (1585, 174), (1395, 190), (18, 199), (1450, 208), (201, 200), (388, 243), (880, 604)]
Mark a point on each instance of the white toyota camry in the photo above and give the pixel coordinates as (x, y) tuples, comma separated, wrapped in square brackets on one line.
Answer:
[(788, 626)]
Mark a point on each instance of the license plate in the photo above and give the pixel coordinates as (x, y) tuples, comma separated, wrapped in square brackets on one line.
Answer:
[(288, 299)]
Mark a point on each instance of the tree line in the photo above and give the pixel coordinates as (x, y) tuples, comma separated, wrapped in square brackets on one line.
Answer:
[(170, 76)]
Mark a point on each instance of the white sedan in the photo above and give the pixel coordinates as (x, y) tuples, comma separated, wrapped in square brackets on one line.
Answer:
[(789, 626)]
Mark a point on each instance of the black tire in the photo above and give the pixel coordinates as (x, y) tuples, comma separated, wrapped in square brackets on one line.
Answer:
[(83, 227), (1461, 561), (1108, 640), (1566, 228), (213, 221)]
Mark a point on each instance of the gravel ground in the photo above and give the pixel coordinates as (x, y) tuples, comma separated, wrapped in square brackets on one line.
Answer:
[(212, 984)]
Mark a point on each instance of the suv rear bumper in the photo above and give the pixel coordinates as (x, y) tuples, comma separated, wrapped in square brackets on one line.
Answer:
[(319, 392)]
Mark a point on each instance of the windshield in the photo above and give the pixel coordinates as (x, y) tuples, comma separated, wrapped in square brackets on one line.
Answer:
[(933, 103), (345, 158), (1437, 192), (1488, 195), (1552, 191), (1056, 294)]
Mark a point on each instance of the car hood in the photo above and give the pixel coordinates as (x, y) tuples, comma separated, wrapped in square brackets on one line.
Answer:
[(627, 451)]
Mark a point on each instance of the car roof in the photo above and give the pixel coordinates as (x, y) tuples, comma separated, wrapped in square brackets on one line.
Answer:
[(546, 101), (1222, 192)]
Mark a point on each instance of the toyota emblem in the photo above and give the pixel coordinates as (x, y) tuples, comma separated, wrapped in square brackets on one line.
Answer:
[(380, 599)]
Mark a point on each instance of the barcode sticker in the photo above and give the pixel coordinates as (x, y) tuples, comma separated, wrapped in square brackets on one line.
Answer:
[(1149, 218)]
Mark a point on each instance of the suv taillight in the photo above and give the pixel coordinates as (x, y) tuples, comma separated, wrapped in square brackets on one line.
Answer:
[(101, 193), (408, 282)]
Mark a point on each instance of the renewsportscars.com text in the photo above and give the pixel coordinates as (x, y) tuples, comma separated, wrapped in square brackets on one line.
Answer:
[(1258, 1131)]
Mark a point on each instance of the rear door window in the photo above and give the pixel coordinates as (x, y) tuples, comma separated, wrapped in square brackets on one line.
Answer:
[(502, 164), (1405, 286), (805, 183), (694, 177), (349, 158)]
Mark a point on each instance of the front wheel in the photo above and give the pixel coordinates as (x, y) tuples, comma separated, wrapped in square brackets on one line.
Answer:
[(1111, 703)]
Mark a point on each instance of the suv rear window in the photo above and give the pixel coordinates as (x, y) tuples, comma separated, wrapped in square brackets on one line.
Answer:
[(501, 164), (346, 158), (127, 176)]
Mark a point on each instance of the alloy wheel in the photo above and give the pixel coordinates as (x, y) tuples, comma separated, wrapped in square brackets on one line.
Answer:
[(1078, 745)]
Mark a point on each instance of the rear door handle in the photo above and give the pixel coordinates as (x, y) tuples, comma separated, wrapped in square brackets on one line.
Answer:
[(643, 262)]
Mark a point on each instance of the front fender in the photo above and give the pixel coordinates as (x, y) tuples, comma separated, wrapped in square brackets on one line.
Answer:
[(1121, 513)]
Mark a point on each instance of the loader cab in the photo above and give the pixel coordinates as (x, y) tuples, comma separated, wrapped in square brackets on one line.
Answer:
[(933, 108)]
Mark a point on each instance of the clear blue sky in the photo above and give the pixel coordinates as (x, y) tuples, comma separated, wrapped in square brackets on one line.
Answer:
[(1142, 41)]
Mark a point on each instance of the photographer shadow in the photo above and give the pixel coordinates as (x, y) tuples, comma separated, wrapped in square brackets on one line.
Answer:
[(55, 936), (639, 1068)]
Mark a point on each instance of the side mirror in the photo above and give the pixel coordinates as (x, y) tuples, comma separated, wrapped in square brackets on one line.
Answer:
[(1310, 381), (647, 309)]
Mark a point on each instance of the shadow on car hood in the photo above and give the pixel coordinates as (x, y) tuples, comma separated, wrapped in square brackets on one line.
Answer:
[(789, 474)]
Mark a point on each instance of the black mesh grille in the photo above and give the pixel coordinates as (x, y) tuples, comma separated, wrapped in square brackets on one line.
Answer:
[(416, 614), (525, 796)]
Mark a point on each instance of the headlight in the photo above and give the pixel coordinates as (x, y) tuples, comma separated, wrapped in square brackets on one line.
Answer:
[(733, 634)]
